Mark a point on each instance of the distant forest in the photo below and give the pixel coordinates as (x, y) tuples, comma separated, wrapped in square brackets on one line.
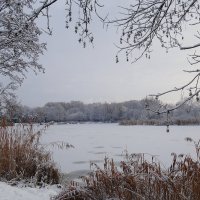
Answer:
[(125, 113)]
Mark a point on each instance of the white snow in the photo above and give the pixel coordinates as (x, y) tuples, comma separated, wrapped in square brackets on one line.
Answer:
[(8, 192), (93, 142)]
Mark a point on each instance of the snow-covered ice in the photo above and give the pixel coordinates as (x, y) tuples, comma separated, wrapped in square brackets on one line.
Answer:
[(93, 142), (8, 192)]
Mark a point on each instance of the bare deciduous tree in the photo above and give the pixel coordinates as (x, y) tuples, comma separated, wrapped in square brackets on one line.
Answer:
[(144, 22), (7, 97)]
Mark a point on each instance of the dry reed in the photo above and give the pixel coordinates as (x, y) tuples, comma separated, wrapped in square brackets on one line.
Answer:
[(139, 179), (23, 157)]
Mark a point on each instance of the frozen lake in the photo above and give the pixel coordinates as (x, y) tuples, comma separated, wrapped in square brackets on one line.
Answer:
[(93, 142)]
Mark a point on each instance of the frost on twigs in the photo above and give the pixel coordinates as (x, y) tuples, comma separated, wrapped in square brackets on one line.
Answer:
[(189, 96), (7, 98), (82, 19), (19, 40), (144, 22), (20, 47)]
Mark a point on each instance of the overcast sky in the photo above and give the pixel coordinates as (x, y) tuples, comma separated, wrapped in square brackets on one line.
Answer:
[(91, 74)]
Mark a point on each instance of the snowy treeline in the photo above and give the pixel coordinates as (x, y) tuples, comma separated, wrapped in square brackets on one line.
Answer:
[(103, 112)]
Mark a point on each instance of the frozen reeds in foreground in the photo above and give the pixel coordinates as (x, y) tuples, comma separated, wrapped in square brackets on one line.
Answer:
[(139, 179), (23, 157)]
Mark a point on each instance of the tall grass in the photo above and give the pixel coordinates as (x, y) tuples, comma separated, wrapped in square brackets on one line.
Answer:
[(23, 157), (139, 179)]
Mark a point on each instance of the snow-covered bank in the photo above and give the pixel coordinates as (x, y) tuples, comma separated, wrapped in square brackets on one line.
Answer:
[(8, 192)]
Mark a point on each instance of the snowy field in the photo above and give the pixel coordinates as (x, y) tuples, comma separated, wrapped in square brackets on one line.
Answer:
[(8, 192), (93, 142)]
